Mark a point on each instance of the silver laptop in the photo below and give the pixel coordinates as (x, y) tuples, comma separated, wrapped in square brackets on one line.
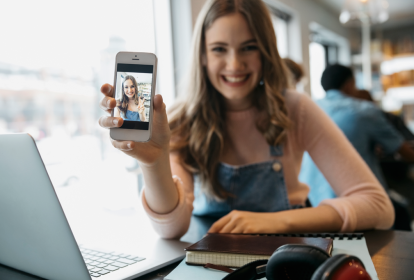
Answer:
[(35, 236)]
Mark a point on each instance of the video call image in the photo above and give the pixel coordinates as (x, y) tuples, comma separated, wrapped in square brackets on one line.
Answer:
[(133, 96)]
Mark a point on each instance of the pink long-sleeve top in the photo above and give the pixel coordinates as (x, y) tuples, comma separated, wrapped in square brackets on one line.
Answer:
[(362, 202)]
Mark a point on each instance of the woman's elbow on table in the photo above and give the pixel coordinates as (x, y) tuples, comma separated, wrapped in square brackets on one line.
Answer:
[(172, 232), (386, 216)]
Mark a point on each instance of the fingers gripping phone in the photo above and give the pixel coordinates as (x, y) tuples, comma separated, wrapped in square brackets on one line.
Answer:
[(134, 90)]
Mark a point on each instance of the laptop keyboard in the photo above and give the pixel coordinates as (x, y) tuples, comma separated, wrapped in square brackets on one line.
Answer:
[(101, 262)]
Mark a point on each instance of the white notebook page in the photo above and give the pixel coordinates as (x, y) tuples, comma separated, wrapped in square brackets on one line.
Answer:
[(191, 272), (356, 247)]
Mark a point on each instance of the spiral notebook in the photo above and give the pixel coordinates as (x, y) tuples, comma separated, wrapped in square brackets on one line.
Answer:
[(343, 243)]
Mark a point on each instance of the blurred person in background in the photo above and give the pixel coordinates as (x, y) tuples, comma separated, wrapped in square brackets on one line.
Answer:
[(365, 126), (395, 120)]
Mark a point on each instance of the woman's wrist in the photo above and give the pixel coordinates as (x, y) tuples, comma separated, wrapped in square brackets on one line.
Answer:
[(279, 222), (162, 159), (323, 218), (161, 192), (142, 115)]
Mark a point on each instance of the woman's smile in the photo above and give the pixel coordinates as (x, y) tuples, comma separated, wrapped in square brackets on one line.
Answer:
[(235, 80)]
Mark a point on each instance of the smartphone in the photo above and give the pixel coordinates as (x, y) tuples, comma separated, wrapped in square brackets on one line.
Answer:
[(134, 90)]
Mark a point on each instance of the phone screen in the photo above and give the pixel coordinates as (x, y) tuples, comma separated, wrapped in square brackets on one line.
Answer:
[(133, 95)]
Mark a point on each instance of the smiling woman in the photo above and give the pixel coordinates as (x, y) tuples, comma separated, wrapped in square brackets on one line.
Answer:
[(233, 50), (235, 139)]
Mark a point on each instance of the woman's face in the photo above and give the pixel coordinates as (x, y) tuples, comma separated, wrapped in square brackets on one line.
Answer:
[(233, 60), (129, 88)]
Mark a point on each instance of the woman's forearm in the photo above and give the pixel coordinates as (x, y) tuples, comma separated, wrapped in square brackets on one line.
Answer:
[(323, 218), (319, 219), (161, 192)]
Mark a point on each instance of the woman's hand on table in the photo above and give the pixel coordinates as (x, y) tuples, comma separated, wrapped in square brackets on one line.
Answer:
[(149, 152), (247, 222), (323, 218)]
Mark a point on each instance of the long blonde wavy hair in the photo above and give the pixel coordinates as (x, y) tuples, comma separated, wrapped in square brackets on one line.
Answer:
[(197, 119)]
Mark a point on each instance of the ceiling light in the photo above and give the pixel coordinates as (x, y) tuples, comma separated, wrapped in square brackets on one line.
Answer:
[(344, 17), (356, 10)]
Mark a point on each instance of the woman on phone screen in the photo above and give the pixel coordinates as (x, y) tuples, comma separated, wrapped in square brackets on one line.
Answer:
[(232, 145), (131, 106)]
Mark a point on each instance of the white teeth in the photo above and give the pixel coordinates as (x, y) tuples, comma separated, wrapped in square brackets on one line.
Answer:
[(235, 79)]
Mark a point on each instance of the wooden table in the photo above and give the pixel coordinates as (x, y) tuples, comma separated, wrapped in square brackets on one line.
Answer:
[(392, 253)]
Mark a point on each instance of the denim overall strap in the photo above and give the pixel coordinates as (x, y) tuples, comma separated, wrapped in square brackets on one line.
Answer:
[(276, 151), (258, 187)]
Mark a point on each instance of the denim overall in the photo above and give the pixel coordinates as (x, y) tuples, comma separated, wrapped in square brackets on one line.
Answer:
[(258, 187), (130, 116)]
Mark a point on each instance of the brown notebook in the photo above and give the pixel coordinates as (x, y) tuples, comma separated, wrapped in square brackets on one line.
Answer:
[(236, 250)]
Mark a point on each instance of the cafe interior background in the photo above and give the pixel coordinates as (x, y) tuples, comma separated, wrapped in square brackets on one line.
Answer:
[(55, 55)]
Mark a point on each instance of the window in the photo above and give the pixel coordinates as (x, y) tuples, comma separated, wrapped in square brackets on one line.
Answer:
[(54, 56), (326, 48), (317, 64), (280, 22), (281, 29)]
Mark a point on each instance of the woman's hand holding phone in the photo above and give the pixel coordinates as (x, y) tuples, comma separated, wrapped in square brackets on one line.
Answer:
[(145, 140), (147, 153), (160, 193)]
